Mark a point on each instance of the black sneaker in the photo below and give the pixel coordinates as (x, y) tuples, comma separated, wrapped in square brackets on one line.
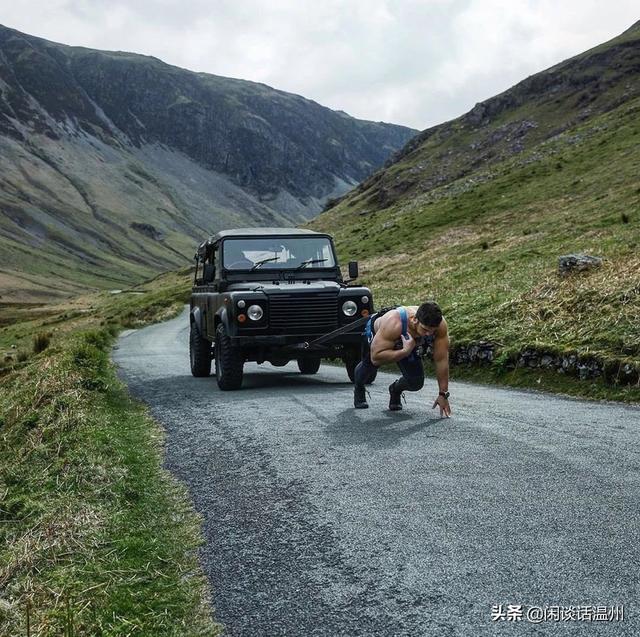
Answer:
[(360, 397), (395, 398)]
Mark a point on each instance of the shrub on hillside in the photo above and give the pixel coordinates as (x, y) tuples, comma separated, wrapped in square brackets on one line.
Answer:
[(100, 339), (41, 342)]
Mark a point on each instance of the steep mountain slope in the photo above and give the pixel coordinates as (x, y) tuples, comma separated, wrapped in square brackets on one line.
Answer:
[(476, 211), (112, 164), (535, 110)]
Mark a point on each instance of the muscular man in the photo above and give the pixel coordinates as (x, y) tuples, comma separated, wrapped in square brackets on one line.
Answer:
[(392, 338)]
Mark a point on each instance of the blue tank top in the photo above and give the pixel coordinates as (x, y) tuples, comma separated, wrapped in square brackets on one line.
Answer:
[(404, 317)]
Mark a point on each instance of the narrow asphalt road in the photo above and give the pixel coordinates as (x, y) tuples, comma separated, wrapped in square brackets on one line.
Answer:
[(323, 520)]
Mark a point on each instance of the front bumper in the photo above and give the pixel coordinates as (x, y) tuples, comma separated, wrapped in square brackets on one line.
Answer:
[(272, 341)]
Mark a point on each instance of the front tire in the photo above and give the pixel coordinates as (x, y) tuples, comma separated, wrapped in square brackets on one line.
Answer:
[(199, 353), (308, 365), (229, 361)]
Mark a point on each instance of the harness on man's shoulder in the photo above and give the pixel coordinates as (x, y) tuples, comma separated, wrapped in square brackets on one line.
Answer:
[(404, 317), (423, 343)]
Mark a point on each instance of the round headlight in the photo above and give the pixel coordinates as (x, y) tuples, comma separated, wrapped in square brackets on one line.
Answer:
[(365, 300), (241, 304), (349, 308), (255, 312)]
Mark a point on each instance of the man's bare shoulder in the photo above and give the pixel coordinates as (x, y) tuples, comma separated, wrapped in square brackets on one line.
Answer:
[(390, 325)]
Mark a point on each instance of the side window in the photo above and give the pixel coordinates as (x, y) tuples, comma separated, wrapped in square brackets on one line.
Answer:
[(208, 272), (215, 259)]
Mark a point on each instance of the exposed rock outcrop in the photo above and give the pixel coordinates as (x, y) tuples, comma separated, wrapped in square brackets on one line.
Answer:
[(577, 263)]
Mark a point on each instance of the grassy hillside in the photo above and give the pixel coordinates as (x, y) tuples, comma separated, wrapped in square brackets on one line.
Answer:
[(485, 243), (96, 538)]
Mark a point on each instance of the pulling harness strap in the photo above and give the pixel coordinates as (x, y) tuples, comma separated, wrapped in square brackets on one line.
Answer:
[(368, 330), (405, 319)]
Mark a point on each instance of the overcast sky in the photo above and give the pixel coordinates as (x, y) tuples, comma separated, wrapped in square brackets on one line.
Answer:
[(409, 62)]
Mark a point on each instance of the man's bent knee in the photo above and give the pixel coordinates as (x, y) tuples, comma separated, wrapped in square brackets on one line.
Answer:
[(364, 372), (415, 383)]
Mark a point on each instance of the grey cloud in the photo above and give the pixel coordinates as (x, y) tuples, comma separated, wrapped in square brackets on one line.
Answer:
[(414, 62)]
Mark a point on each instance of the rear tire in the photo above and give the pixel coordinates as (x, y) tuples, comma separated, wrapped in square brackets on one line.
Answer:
[(229, 361), (309, 365), (199, 353)]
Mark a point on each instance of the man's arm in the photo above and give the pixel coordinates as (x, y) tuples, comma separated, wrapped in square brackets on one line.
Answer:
[(382, 346), (441, 356), (441, 361)]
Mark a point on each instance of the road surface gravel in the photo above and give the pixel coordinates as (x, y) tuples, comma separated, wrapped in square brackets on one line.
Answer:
[(323, 520)]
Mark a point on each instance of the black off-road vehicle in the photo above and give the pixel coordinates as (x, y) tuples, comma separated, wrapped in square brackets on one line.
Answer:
[(269, 294)]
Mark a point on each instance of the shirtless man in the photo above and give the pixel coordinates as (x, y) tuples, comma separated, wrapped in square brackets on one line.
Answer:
[(392, 338)]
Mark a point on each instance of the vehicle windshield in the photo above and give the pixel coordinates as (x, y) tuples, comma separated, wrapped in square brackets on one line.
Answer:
[(268, 253)]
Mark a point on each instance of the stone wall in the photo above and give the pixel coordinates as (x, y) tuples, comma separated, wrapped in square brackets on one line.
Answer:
[(584, 367)]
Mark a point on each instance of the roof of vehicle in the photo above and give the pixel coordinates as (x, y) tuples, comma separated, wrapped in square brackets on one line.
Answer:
[(257, 232), (243, 232)]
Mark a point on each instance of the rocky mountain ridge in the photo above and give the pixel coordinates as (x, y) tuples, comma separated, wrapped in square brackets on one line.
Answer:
[(113, 164)]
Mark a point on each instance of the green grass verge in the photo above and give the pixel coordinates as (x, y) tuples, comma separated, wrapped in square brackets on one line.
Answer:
[(95, 537)]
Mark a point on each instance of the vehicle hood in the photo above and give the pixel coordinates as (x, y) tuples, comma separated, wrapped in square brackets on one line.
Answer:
[(284, 287)]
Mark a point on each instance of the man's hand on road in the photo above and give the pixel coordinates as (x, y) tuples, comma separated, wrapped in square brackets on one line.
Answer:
[(443, 403)]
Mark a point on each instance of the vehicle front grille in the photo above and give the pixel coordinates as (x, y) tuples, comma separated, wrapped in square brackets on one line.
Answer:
[(303, 314)]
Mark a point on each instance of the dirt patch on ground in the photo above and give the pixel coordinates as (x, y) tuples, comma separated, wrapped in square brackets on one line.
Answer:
[(380, 263), (512, 241), (453, 237)]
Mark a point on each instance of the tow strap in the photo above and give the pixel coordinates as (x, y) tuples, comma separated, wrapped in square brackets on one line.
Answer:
[(347, 328)]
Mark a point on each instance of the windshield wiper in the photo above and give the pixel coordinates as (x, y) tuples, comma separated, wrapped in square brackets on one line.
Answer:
[(259, 263), (304, 264)]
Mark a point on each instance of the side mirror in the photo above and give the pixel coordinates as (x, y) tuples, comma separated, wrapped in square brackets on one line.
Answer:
[(209, 273), (353, 270)]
